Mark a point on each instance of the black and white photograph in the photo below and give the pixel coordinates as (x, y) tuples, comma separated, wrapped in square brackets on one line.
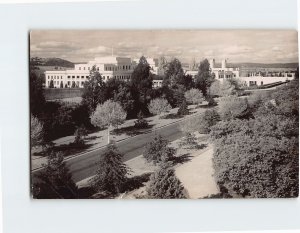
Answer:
[(163, 114)]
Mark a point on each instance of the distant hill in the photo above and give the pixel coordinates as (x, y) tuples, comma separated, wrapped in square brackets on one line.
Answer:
[(37, 61), (264, 65)]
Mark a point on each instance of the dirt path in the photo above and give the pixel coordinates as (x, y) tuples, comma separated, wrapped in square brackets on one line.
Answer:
[(197, 175)]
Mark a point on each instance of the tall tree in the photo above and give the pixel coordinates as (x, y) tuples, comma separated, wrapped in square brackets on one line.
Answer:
[(204, 78), (111, 172), (162, 63), (142, 81), (110, 114), (55, 180), (94, 92), (174, 73)]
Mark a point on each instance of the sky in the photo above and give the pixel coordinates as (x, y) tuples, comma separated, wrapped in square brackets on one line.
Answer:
[(263, 46)]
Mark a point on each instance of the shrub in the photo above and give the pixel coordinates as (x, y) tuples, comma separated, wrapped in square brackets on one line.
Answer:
[(165, 185), (211, 101), (189, 141), (157, 151), (141, 123), (79, 134)]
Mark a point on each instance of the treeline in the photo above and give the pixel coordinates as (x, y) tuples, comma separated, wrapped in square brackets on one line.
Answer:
[(256, 144), (134, 95)]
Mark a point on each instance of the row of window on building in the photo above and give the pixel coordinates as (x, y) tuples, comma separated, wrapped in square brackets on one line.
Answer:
[(110, 68), (69, 84)]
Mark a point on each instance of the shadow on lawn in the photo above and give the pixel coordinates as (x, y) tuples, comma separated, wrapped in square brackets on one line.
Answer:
[(181, 159), (130, 130), (136, 182), (65, 150), (172, 116)]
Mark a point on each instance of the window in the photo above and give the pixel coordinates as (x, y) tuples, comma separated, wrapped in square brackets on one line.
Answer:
[(68, 83), (77, 76), (83, 68), (82, 83), (105, 68), (87, 76), (48, 76), (51, 77), (60, 77), (73, 76), (88, 68), (82, 76), (69, 76), (79, 68)]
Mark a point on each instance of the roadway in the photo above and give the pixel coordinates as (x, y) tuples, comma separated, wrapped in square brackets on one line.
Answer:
[(84, 165)]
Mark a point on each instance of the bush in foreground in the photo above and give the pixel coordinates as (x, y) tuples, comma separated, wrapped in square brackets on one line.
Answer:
[(55, 180), (165, 185)]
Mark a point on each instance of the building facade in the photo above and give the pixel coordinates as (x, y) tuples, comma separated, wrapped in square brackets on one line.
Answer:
[(109, 67)]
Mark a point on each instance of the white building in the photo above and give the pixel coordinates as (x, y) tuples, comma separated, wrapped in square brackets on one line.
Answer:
[(224, 71), (260, 80), (108, 67)]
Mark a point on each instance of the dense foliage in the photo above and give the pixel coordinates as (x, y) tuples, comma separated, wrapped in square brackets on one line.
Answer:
[(258, 157)]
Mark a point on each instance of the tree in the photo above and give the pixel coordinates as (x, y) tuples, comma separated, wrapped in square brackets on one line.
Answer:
[(94, 92), (174, 73), (233, 107), (51, 85), (55, 180), (158, 151), (162, 63), (194, 96), (226, 87), (110, 114), (207, 120), (259, 157), (36, 131), (37, 99), (141, 82), (204, 78), (183, 109), (165, 185), (253, 161), (111, 172), (158, 106)]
